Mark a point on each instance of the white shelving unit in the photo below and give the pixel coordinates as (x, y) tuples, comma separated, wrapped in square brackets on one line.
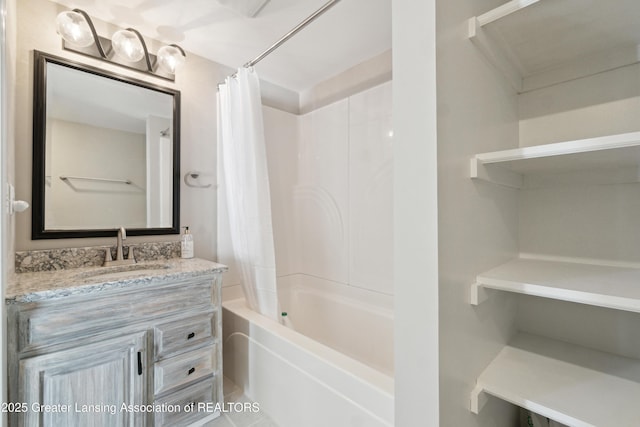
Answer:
[(616, 287), (537, 44), (570, 384), (573, 385), (615, 153), (572, 39)]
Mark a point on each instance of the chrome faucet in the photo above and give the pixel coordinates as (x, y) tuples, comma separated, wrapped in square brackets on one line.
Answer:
[(120, 260), (122, 235)]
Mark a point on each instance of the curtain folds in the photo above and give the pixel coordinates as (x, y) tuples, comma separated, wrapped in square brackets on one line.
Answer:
[(245, 182)]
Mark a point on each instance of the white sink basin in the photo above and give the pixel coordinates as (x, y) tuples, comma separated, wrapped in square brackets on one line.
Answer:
[(122, 271)]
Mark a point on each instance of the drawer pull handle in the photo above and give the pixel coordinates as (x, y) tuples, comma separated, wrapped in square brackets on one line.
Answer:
[(191, 335), (191, 371), (139, 363)]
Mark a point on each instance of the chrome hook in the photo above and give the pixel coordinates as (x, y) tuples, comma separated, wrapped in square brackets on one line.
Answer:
[(191, 178)]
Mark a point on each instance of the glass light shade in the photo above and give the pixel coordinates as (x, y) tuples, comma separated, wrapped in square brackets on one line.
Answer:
[(127, 45), (74, 28), (170, 58)]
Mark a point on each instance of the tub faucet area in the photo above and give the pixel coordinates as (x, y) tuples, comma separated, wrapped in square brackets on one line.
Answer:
[(120, 260)]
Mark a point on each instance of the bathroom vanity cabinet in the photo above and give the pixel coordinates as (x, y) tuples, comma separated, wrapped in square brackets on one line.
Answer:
[(145, 351)]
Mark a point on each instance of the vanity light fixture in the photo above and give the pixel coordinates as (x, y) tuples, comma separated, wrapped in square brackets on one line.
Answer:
[(128, 44), (126, 47), (171, 57), (75, 28)]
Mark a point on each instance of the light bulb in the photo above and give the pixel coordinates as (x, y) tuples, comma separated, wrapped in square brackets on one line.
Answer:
[(127, 44), (74, 28), (170, 58)]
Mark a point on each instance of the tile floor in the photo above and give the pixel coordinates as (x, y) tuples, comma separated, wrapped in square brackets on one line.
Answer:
[(239, 419)]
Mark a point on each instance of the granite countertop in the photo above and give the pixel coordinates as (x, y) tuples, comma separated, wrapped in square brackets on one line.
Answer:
[(49, 285)]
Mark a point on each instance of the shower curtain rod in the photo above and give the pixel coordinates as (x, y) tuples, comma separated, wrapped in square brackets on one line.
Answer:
[(290, 34)]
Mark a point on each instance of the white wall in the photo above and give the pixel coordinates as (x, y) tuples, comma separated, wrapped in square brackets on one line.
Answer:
[(478, 222), (415, 204), (606, 103), (573, 219), (7, 96), (370, 73)]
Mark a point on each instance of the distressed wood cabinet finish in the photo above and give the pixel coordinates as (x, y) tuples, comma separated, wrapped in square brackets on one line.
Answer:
[(101, 375), (102, 356)]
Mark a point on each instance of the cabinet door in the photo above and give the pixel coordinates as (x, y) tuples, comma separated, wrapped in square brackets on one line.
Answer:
[(92, 385)]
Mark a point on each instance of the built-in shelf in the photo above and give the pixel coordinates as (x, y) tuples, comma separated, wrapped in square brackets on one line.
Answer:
[(616, 287), (616, 155), (539, 43), (573, 385)]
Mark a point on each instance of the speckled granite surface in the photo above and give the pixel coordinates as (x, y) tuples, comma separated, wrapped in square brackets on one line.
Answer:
[(48, 285), (66, 258)]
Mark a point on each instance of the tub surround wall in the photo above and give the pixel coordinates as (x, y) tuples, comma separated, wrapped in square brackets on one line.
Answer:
[(344, 194), (330, 174), (321, 194), (370, 225)]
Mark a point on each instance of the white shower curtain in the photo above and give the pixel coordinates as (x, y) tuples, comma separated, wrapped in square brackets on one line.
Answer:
[(245, 182)]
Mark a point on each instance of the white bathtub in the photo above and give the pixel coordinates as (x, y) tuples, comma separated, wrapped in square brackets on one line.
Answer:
[(339, 373)]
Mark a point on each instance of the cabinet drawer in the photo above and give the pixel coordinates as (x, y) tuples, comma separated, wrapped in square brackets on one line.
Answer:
[(184, 368), (46, 324), (184, 335), (200, 399)]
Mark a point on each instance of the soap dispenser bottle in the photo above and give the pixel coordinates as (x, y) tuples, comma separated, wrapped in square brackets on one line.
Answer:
[(186, 244)]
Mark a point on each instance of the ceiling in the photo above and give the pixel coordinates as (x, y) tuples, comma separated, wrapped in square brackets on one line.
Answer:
[(349, 33)]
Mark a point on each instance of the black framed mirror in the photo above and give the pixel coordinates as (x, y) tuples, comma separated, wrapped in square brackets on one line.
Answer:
[(106, 153)]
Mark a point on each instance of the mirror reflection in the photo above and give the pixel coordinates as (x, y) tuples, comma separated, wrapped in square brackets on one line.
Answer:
[(108, 148)]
